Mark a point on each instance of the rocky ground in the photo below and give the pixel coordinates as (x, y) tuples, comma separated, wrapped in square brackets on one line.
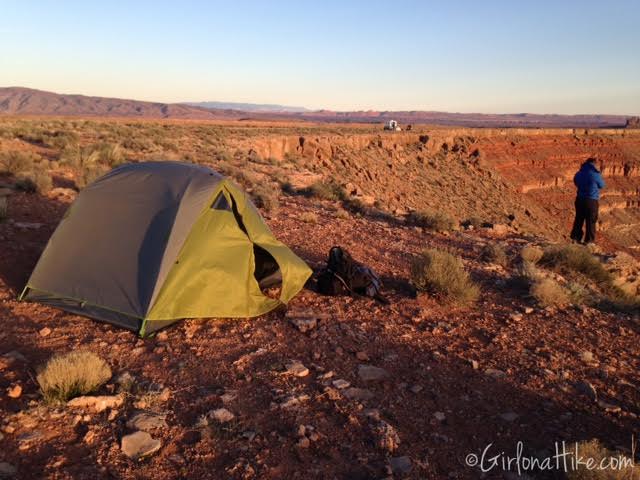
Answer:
[(333, 387)]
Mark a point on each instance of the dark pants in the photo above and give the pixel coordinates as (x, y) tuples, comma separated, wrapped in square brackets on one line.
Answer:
[(586, 213)]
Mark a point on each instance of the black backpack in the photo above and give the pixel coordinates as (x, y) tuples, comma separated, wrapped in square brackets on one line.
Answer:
[(344, 276)]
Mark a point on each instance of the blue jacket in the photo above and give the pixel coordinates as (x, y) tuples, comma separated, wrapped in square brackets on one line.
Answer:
[(589, 181)]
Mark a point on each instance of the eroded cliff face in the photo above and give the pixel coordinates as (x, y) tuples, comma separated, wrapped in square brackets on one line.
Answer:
[(520, 176)]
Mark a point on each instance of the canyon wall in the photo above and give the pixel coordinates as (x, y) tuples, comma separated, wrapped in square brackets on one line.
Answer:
[(496, 174)]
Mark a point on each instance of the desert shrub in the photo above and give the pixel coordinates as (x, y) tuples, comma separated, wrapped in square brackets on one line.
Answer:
[(342, 213), (89, 174), (137, 143), (475, 222), (531, 254), (576, 258), (72, 374), (619, 466), (265, 197), (38, 181), (308, 217), (78, 157), (617, 300), (110, 154), (494, 253), (441, 272), (355, 205), (548, 292), (223, 156), (329, 190), (436, 221), (16, 162)]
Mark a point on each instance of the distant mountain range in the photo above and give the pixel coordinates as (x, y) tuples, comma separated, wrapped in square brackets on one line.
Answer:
[(26, 101), (246, 107)]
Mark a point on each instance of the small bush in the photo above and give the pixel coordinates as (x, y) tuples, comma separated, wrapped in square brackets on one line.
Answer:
[(325, 191), (548, 292), (576, 258), (494, 253), (78, 157), (72, 374), (34, 182), (620, 467), (617, 300), (475, 222), (110, 154), (531, 254), (89, 174), (435, 221), (441, 272), (308, 217), (17, 162), (265, 197), (342, 213)]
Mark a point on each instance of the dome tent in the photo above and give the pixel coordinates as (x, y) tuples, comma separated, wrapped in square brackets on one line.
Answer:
[(150, 243)]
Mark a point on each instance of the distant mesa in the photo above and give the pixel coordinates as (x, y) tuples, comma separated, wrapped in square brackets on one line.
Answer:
[(246, 107), (26, 101)]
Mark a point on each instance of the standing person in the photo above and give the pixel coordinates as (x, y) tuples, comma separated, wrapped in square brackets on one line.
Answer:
[(589, 182)]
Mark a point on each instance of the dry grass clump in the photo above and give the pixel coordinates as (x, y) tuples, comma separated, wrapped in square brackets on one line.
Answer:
[(308, 217), (266, 198), (604, 464), (548, 292), (17, 162), (329, 190), (72, 374), (578, 259), (531, 254), (38, 181), (441, 272), (435, 221), (494, 253), (342, 213)]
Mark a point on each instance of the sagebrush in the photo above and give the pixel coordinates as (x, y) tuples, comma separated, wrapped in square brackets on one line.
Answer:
[(72, 374), (436, 221), (607, 464), (548, 292), (441, 272)]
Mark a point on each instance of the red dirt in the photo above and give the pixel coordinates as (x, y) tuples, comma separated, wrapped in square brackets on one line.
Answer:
[(425, 345)]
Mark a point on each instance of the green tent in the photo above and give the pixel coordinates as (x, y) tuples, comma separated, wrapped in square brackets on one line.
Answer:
[(150, 243)]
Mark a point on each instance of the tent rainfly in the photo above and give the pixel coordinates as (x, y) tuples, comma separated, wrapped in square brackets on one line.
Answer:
[(150, 243)]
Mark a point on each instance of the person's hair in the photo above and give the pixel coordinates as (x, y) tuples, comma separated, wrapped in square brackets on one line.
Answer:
[(591, 160)]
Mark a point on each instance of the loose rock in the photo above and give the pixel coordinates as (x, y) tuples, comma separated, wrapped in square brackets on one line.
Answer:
[(400, 465), (15, 391), (340, 383), (139, 444), (354, 393), (97, 403), (222, 415), (495, 373), (146, 421), (296, 368), (509, 416), (369, 373)]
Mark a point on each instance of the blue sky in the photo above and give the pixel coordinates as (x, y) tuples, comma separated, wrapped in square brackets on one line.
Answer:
[(470, 56)]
